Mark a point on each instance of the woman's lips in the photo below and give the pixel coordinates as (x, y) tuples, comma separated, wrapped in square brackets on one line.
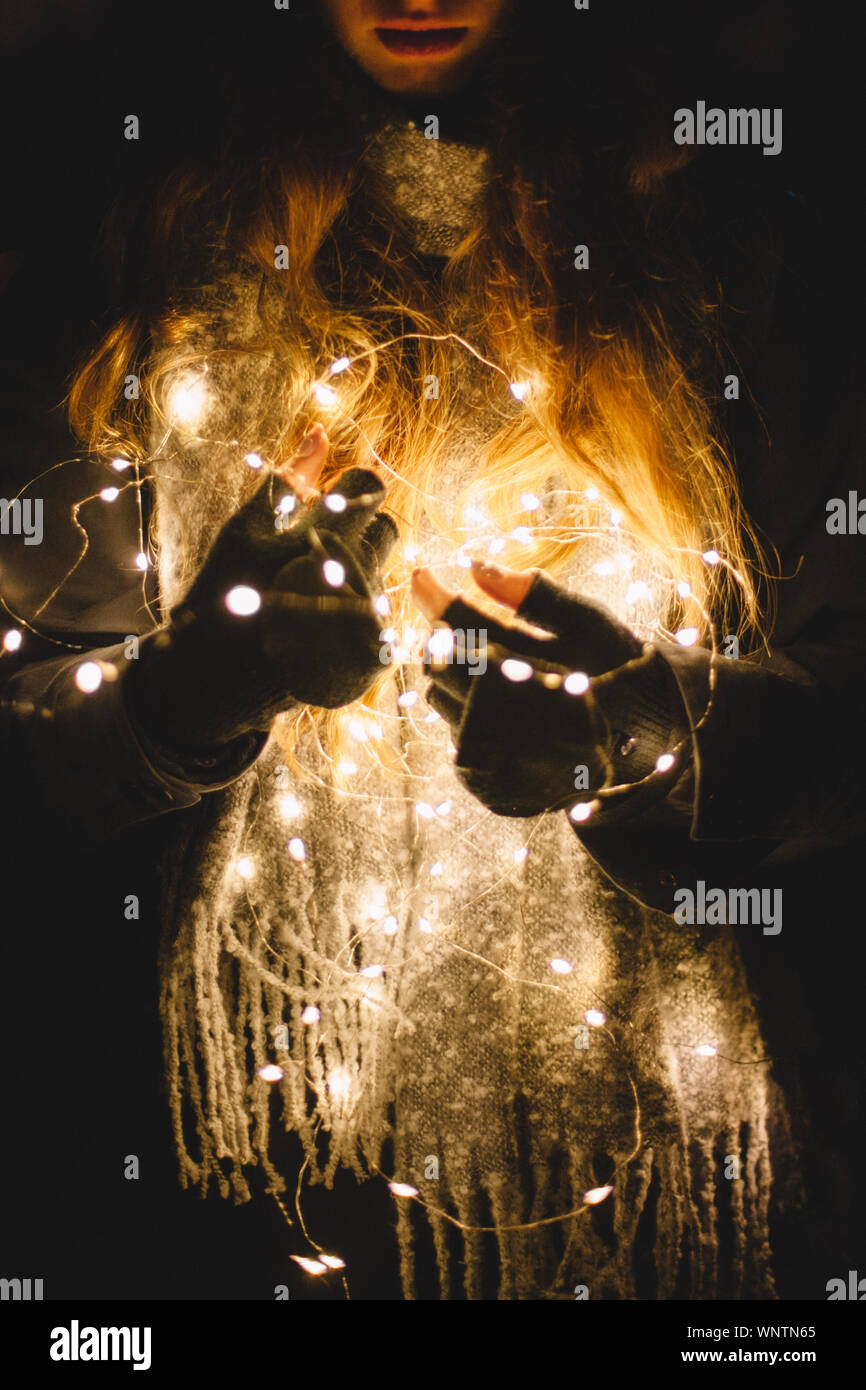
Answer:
[(421, 43)]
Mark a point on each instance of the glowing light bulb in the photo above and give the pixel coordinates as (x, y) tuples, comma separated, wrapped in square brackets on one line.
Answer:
[(706, 1050), (186, 400), (520, 855), (270, 1072), (576, 683), (596, 1195), (286, 505), (243, 601), (358, 730), (253, 461), (514, 670), (496, 546), (684, 588), (119, 465), (424, 810), (407, 699), (522, 535), (339, 1083), (615, 516), (12, 639), (595, 1018), (311, 1014), (110, 494), (403, 1189), (390, 926), (519, 390), (324, 395), (88, 676), (637, 591), (335, 502), (333, 573), (687, 636), (289, 807), (410, 553), (310, 1266), (372, 972), (560, 966), (246, 868), (424, 925), (463, 560), (297, 849), (340, 365), (436, 869), (583, 810), (333, 1261), (444, 808), (529, 501), (382, 605), (142, 561), (604, 567), (346, 767), (441, 644), (474, 515), (711, 557), (665, 762)]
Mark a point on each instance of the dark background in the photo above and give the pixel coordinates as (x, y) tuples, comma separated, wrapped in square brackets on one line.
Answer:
[(80, 1053)]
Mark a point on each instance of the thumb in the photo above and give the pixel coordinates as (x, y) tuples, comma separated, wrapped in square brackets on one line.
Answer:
[(303, 469), (508, 587), (431, 596)]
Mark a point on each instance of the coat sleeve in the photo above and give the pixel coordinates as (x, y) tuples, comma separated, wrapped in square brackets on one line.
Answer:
[(778, 766), (74, 759)]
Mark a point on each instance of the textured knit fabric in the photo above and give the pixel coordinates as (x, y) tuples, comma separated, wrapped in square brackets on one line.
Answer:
[(437, 184), (405, 935)]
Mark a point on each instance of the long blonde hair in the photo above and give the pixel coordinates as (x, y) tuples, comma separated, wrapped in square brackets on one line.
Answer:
[(623, 361)]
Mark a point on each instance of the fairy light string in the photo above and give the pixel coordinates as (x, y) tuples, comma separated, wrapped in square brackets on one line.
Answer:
[(326, 978)]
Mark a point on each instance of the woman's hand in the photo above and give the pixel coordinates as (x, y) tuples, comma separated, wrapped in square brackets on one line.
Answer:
[(310, 577), (528, 738)]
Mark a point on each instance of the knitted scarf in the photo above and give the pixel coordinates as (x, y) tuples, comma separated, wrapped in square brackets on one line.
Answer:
[(388, 948)]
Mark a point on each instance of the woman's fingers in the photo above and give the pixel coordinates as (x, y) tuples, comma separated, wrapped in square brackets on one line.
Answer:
[(508, 587), (303, 470), (327, 567), (588, 635), (439, 603), (431, 596), (349, 506), (379, 538)]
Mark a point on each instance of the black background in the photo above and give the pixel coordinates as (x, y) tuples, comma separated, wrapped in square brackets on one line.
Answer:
[(80, 1054)]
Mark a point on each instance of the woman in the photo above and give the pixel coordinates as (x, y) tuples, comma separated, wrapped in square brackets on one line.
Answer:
[(435, 337)]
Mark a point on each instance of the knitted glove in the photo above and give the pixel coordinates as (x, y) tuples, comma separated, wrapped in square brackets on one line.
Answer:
[(212, 675), (522, 743)]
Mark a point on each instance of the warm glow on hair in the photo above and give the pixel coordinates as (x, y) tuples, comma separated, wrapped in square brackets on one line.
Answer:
[(613, 404)]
